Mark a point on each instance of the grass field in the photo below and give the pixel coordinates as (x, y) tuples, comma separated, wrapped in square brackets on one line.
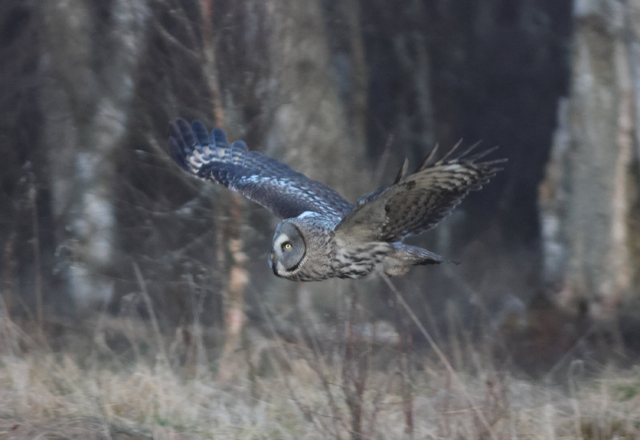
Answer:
[(83, 389)]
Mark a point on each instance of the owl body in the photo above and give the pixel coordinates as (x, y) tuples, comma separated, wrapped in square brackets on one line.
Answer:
[(319, 253), (322, 235), (360, 260)]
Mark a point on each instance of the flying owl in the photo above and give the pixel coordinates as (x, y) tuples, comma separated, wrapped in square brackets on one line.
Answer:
[(322, 235)]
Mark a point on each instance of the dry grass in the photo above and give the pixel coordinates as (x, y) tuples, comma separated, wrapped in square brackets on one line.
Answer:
[(62, 394)]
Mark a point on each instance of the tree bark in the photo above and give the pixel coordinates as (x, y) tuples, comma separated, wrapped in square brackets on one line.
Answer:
[(297, 93), (309, 130), (586, 198), (26, 232), (92, 50)]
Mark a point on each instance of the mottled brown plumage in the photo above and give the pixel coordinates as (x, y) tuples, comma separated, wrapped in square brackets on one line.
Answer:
[(420, 201)]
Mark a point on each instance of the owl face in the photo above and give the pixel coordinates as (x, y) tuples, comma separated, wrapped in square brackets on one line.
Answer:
[(287, 251)]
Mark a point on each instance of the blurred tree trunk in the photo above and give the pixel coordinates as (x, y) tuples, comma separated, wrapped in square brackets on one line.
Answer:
[(91, 54), (490, 71), (231, 246), (280, 93), (166, 220), (590, 228), (27, 243), (318, 120), (298, 93), (310, 129)]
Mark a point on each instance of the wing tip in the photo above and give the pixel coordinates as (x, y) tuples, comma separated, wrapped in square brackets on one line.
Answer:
[(187, 142), (402, 172), (219, 137), (464, 158), (178, 155), (179, 149)]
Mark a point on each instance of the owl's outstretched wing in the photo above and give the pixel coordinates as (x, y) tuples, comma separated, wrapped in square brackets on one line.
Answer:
[(420, 201), (266, 181)]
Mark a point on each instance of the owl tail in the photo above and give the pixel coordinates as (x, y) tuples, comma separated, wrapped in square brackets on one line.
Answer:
[(404, 256)]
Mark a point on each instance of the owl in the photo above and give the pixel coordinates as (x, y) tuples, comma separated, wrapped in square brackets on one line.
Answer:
[(322, 235)]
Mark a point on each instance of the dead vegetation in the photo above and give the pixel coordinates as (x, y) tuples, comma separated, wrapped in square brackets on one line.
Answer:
[(94, 385)]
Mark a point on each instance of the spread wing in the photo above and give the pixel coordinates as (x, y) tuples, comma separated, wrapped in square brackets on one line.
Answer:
[(266, 181), (419, 202)]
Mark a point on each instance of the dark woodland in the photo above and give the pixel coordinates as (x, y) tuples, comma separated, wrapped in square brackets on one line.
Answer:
[(98, 226)]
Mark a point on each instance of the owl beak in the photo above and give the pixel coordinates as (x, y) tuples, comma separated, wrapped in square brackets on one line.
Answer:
[(271, 257), (276, 268)]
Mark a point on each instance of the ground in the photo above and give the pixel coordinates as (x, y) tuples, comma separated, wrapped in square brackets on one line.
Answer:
[(79, 392)]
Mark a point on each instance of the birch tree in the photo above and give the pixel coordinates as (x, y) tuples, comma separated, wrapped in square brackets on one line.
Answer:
[(90, 62), (589, 198)]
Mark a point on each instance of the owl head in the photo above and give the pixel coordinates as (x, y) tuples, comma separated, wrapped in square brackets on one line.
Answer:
[(288, 250), (301, 248)]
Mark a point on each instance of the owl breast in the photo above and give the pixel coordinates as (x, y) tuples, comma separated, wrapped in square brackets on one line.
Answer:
[(360, 260)]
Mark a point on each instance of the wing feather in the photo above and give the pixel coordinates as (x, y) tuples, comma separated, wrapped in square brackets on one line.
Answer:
[(266, 181), (419, 202)]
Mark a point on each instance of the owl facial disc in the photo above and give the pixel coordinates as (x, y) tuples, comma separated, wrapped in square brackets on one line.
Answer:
[(288, 249)]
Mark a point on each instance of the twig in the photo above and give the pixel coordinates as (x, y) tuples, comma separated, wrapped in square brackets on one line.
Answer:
[(354, 384), (575, 370), (547, 377), (304, 408), (440, 355), (319, 366), (6, 333), (152, 314), (197, 307), (36, 253), (404, 342), (7, 285)]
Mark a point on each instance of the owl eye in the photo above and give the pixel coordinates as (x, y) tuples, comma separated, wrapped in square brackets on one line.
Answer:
[(286, 246)]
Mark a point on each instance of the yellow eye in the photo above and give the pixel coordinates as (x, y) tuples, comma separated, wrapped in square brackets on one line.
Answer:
[(287, 246)]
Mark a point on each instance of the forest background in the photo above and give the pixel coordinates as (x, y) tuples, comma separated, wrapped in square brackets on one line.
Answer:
[(116, 265)]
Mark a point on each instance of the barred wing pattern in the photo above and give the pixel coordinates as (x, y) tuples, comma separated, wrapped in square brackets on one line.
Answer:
[(420, 201), (266, 181)]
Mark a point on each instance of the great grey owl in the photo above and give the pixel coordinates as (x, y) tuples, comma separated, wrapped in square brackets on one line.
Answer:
[(322, 235)]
